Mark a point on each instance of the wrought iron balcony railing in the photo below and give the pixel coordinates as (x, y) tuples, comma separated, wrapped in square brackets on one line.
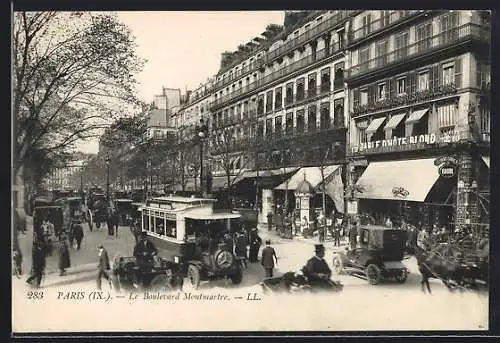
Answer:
[(297, 65), (426, 46)]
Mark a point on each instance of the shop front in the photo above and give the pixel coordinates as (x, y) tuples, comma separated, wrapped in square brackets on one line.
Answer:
[(414, 190)]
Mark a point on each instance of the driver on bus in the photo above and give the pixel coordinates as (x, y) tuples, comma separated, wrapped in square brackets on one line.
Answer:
[(145, 253)]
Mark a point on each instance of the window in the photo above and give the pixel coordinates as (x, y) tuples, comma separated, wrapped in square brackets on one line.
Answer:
[(385, 18), (311, 85), (364, 55), (366, 25), (260, 105), (448, 24), (424, 36), (171, 229), (311, 118), (278, 127), (401, 86), (338, 112), (448, 74), (300, 121), (289, 94), (325, 80), (401, 47), (362, 136), (269, 101), (363, 99), (423, 81), (447, 116), (269, 126), (300, 89), (381, 91), (159, 226), (381, 53), (278, 99), (325, 115), (289, 123)]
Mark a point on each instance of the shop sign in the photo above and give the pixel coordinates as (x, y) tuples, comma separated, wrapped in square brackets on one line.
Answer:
[(446, 159), (405, 141), (352, 206), (448, 170)]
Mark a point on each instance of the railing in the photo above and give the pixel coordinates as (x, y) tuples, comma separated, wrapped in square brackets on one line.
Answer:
[(300, 64), (284, 49), (406, 99), (429, 45), (236, 119), (379, 24)]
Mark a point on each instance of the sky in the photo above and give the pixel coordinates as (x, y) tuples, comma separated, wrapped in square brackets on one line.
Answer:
[(183, 49)]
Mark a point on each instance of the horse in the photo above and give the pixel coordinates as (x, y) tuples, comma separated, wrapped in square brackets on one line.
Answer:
[(444, 262)]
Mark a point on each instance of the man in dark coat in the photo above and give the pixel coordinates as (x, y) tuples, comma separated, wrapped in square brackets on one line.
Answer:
[(77, 230), (316, 269), (268, 259), (103, 266), (136, 230), (144, 250), (38, 264), (255, 243), (64, 259), (241, 248)]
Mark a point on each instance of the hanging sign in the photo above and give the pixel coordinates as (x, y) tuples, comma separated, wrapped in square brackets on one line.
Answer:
[(448, 170), (352, 206)]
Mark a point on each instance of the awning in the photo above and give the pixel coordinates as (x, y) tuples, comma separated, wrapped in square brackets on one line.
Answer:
[(220, 182), (416, 116), (311, 174), (374, 125), (398, 180), (486, 160), (268, 172), (394, 121)]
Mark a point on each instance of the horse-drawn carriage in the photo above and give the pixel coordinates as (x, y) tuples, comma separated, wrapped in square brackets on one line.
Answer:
[(98, 207), (380, 255), (461, 262), (158, 275)]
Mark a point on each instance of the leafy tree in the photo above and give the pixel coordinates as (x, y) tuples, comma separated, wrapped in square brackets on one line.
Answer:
[(72, 73)]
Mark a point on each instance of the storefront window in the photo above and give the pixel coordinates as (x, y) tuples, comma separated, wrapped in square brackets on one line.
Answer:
[(145, 220)]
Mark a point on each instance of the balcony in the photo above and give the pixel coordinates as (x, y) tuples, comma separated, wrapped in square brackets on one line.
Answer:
[(405, 100), (424, 47), (296, 66), (379, 24), (285, 48), (436, 140)]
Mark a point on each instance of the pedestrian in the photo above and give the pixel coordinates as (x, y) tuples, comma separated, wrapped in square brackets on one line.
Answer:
[(336, 234), (304, 226), (103, 266), (353, 234), (78, 234), (37, 264), (255, 243), (321, 227), (115, 221), (136, 230), (317, 270), (269, 259), (64, 258), (241, 248), (388, 222), (269, 221)]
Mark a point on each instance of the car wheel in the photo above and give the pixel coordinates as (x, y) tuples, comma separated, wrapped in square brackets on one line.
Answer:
[(337, 265), (401, 277), (193, 273), (237, 276), (372, 274), (160, 283)]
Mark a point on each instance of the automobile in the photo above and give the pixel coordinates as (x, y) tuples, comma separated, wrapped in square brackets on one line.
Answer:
[(125, 210), (162, 275), (379, 257), (187, 231)]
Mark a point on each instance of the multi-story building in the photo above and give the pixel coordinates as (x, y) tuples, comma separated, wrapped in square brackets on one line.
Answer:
[(419, 99), (63, 177), (385, 93)]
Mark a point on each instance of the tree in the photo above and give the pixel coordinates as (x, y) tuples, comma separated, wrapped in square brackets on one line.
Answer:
[(72, 73)]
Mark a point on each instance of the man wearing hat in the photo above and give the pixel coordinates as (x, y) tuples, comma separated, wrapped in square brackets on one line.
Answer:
[(144, 249), (255, 243), (316, 269), (268, 259)]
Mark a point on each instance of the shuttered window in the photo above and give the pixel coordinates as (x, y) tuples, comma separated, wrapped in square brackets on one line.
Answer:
[(424, 36), (423, 81), (458, 73), (401, 48), (269, 126), (401, 86), (447, 116), (363, 99)]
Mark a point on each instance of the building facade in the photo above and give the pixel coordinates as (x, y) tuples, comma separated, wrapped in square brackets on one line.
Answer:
[(350, 92), (63, 177), (418, 85)]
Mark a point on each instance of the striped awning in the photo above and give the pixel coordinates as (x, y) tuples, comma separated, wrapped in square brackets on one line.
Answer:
[(394, 121), (374, 125), (416, 116)]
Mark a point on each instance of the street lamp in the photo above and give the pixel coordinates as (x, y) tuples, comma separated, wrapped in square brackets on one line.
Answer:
[(202, 133), (108, 161), (81, 181)]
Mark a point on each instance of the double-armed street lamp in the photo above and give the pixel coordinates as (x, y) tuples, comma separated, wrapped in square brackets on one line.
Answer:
[(108, 161), (202, 133)]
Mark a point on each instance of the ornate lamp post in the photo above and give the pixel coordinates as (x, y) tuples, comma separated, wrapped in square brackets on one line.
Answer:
[(202, 133), (108, 161), (81, 180)]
